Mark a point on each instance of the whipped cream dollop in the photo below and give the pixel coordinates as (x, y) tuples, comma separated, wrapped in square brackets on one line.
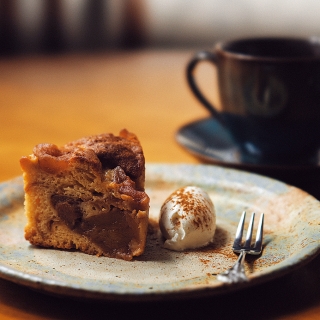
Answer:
[(187, 219)]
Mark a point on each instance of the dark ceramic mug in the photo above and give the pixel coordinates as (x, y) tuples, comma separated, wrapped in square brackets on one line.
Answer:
[(270, 97)]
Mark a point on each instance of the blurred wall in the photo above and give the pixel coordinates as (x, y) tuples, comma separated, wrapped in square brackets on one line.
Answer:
[(202, 22), (28, 26)]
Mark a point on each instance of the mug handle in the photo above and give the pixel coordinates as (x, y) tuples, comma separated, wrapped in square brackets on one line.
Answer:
[(201, 56)]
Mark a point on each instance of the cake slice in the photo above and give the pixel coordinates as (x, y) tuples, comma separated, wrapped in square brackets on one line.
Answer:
[(88, 195)]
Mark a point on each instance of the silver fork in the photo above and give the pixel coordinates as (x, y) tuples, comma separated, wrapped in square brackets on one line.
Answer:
[(237, 272)]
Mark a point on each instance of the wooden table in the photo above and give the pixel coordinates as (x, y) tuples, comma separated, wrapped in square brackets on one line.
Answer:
[(60, 98)]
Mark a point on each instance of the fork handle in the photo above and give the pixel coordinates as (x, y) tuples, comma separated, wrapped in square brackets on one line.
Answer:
[(238, 267), (236, 273), (241, 257)]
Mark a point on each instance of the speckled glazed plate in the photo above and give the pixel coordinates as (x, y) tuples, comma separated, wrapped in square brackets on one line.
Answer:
[(292, 237)]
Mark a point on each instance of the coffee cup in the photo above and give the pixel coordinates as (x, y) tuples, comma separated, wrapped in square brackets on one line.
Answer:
[(269, 89)]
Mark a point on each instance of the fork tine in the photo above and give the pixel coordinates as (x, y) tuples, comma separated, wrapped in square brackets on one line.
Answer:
[(259, 236), (238, 237), (247, 244)]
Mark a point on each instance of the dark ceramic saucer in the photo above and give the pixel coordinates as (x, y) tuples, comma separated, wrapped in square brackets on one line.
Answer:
[(210, 142)]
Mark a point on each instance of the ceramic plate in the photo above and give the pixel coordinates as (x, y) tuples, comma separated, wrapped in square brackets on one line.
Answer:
[(292, 234)]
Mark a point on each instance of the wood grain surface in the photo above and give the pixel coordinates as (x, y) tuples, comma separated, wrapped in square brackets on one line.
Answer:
[(56, 99)]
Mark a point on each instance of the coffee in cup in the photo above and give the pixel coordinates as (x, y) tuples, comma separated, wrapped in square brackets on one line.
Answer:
[(269, 90)]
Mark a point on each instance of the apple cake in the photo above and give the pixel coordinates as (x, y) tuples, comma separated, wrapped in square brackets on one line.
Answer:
[(88, 195)]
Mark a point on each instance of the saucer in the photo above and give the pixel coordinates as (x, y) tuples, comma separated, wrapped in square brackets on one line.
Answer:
[(211, 143)]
